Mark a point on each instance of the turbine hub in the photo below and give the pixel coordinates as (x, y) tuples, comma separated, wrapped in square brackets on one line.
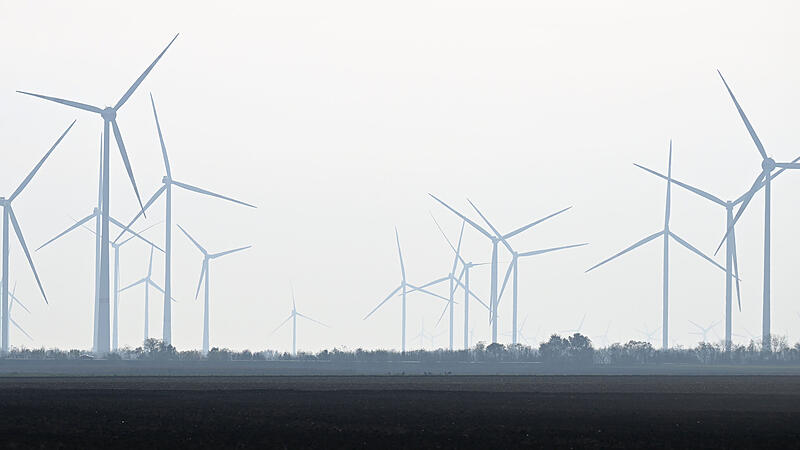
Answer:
[(768, 164), (164, 179), (109, 113)]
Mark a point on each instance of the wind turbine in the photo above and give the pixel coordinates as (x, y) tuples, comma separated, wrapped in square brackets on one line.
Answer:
[(767, 166), (666, 233), (576, 330), (604, 336), (166, 189), (10, 307), (403, 289), (8, 215), (293, 316), (495, 239), (455, 283), (650, 335), (116, 245), (147, 281), (109, 116), (204, 279), (466, 266), (703, 331), (425, 335), (520, 332)]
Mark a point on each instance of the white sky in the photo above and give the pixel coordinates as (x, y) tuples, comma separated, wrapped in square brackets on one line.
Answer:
[(337, 119)]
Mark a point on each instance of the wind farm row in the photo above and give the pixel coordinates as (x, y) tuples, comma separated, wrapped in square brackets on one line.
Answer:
[(460, 303)]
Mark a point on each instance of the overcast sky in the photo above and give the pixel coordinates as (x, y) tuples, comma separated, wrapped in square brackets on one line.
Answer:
[(337, 119)]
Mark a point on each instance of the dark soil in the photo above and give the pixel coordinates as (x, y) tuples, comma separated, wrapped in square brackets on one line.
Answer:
[(401, 412)]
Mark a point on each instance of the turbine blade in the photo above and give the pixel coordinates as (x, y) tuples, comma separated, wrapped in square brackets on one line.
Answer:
[(791, 165), (745, 202), (384, 301), (150, 265), (458, 249), (135, 283), (217, 255), (127, 162), (744, 119), (442, 315), (698, 252), (282, 324), (521, 229), (158, 288), (505, 279), (20, 328), (39, 165), (430, 283), (548, 250), (155, 196), (642, 242), (472, 294), (313, 320), (446, 238), (189, 187), (137, 235), (141, 78), (197, 244), (17, 301), (463, 217), (24, 246), (202, 273), (74, 226), (496, 232), (697, 191), (78, 105), (161, 139), (669, 187), (417, 288), (400, 253)]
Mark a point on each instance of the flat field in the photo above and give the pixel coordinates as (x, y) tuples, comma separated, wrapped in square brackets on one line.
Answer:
[(490, 412)]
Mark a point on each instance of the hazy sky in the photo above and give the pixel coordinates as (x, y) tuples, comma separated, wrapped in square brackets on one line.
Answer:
[(337, 119)]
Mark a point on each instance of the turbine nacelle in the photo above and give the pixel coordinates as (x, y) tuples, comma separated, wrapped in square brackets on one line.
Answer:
[(768, 164), (109, 114)]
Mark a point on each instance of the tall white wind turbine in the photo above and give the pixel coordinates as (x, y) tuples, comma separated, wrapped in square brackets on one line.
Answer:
[(495, 239), (764, 177), (8, 215), (666, 233), (293, 317), (204, 279), (403, 288), (166, 189), (109, 116)]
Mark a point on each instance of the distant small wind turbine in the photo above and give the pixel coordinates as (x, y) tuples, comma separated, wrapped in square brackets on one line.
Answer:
[(147, 281), (293, 317), (204, 279), (576, 330), (403, 289), (703, 331), (649, 334), (10, 307)]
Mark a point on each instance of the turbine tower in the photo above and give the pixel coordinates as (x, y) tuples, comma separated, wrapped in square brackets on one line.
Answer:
[(495, 239), (147, 281), (204, 279), (765, 177), (666, 233), (293, 316), (166, 189), (403, 289), (8, 215), (109, 116)]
